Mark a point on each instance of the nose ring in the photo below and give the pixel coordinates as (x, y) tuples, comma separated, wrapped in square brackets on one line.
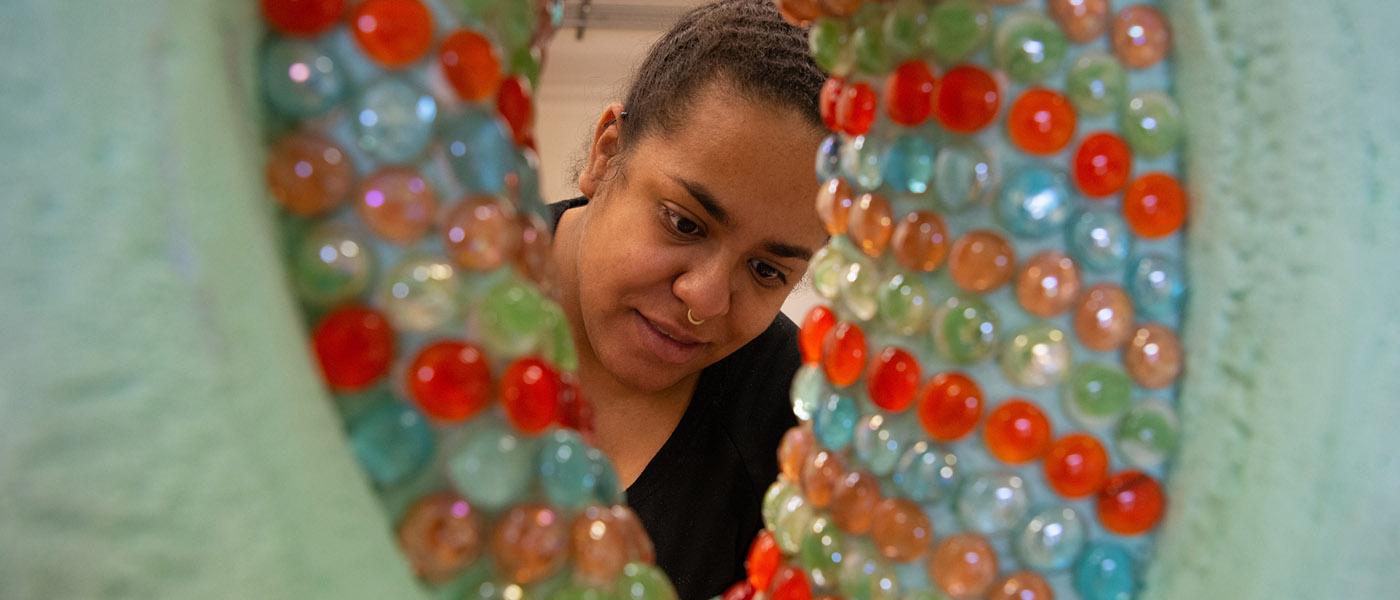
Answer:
[(692, 319)]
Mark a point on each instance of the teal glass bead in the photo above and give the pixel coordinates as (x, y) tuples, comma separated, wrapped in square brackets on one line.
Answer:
[(392, 442), (863, 572), (820, 553), (331, 263), (957, 28), (299, 78), (809, 389), (1029, 46), (393, 119), (860, 285), (494, 467), (835, 421), (829, 40), (569, 476), (1147, 434), (993, 503), (829, 158), (880, 441), (1096, 84), (1051, 539), (515, 316), (479, 149), (1034, 202), (909, 164), (421, 293), (904, 27), (861, 162), (1105, 572), (872, 55), (641, 581), (965, 174), (827, 267), (965, 329), (1037, 356), (1157, 284), (1096, 394), (926, 473), (1099, 240), (1151, 123), (904, 304)]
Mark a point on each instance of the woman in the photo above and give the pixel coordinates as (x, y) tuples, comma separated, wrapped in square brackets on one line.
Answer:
[(696, 222)]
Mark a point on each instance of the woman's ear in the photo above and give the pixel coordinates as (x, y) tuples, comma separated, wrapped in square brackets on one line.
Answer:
[(603, 150)]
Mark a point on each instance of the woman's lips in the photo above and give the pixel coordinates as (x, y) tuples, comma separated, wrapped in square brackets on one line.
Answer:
[(664, 345)]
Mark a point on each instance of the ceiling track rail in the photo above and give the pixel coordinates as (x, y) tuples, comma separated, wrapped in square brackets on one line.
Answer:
[(583, 15)]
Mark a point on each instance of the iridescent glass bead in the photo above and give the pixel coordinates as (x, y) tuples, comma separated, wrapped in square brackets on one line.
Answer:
[(299, 78), (1021, 585), (926, 473), (331, 264), (1037, 356), (1081, 20), (397, 203), (1095, 394), (1105, 572), (480, 233), (828, 265), (441, 534), (966, 174), (775, 502), (965, 329), (829, 157), (993, 503), (1103, 317), (479, 149), (1096, 84), (392, 442), (909, 163), (393, 119), (809, 389), (1153, 356), (957, 28), (1034, 203), (860, 162), (1098, 239), (793, 518), (308, 174), (981, 261), (900, 529), (1141, 37), (530, 542), (964, 566), (860, 286), (1047, 284), (1051, 539), (598, 546), (880, 441), (904, 304), (1156, 283), (493, 467), (864, 574), (420, 293), (921, 241), (1029, 46), (1151, 123), (871, 224), (1147, 435), (835, 421)]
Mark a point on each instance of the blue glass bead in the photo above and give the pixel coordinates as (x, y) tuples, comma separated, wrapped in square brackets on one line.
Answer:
[(835, 422), (568, 475), (993, 503), (299, 78), (1034, 203), (1051, 539), (1105, 572), (909, 163), (1099, 240), (829, 158), (493, 467), (966, 174), (479, 149), (926, 473), (394, 119), (880, 441), (392, 442), (860, 162), (809, 388), (1156, 284)]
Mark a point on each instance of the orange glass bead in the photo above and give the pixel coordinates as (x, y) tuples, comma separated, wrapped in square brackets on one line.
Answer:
[(789, 583), (853, 502), (1103, 317), (308, 174), (1076, 465), (741, 590), (966, 99), (893, 380), (909, 93), (1048, 283), (394, 33), (763, 559), (950, 406), (535, 251), (397, 204), (1081, 20), (815, 325), (441, 535), (1021, 585), (479, 234), (1041, 121), (921, 241), (530, 543), (302, 18), (794, 451), (1153, 356), (530, 391), (834, 202), (964, 566), (354, 346), (855, 110), (981, 261), (597, 546), (450, 380), (639, 547), (1141, 36), (820, 476), (1102, 164), (1016, 432), (830, 100), (800, 13), (1154, 205), (841, 8), (900, 529), (843, 354), (871, 224), (470, 64), (516, 105), (1130, 503)]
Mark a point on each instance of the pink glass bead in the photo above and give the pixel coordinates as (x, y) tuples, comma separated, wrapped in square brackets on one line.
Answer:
[(397, 204), (1103, 317), (598, 546), (441, 535), (1048, 284), (964, 566), (1153, 356), (981, 261), (308, 174), (479, 234), (1081, 20), (530, 543), (1141, 37)]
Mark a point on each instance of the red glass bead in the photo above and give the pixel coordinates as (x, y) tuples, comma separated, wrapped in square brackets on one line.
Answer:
[(843, 354), (790, 583), (575, 411), (470, 64), (1076, 465), (855, 111), (834, 202), (1016, 432), (354, 345), (815, 325), (764, 558), (302, 18), (514, 103), (530, 393), (1041, 121), (966, 99), (742, 590), (1130, 503), (1154, 205), (829, 100), (1102, 164), (894, 378), (909, 93), (450, 380), (950, 406), (394, 33)]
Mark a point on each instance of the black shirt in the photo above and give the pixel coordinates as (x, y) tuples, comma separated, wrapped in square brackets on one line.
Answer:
[(700, 496)]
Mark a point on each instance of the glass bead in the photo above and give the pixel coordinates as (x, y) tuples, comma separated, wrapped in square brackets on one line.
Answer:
[(1029, 46), (1037, 356), (515, 103), (526, 61), (307, 174), (964, 566), (860, 287), (1157, 284), (950, 406), (800, 13), (1147, 435), (861, 162), (393, 33), (392, 442), (397, 204), (901, 530), (909, 164), (993, 503), (820, 553), (809, 390), (420, 293), (904, 304), (1076, 466), (872, 56), (921, 241), (864, 574), (844, 354), (1041, 122), (299, 78), (835, 421), (820, 475), (530, 390), (1103, 317), (450, 380), (794, 519), (441, 534), (1153, 356), (479, 150), (981, 261), (1154, 205), (909, 93), (828, 100), (871, 224), (480, 234), (1051, 539), (515, 316), (776, 501), (493, 467), (893, 379), (926, 474), (856, 109), (841, 8), (331, 264), (965, 329), (829, 157), (1021, 585), (828, 40), (880, 441), (834, 202), (827, 267), (471, 65), (1034, 203), (530, 543), (302, 18), (966, 99), (393, 119), (904, 26), (597, 546), (1151, 123), (789, 583), (957, 29), (1130, 503), (1102, 164), (569, 470), (853, 502), (818, 321), (1048, 283), (354, 346), (763, 559), (1095, 394), (1081, 20), (1141, 37), (1105, 572), (1096, 84), (794, 451), (966, 174), (1098, 240), (1016, 432)]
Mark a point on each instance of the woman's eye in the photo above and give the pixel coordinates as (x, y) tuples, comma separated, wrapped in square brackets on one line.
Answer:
[(682, 225), (767, 273)]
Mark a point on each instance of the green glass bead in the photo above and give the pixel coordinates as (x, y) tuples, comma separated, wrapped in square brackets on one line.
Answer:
[(957, 28), (864, 574), (1147, 435), (965, 329), (1096, 84), (820, 553), (827, 266), (904, 28), (1095, 394), (515, 316), (774, 501), (641, 581), (421, 293), (929, 593), (965, 175), (560, 349), (872, 55), (829, 40), (1151, 123), (575, 591), (493, 466), (794, 521), (862, 162), (809, 390), (331, 264), (526, 62), (904, 304), (492, 589), (860, 286), (881, 440), (1037, 356), (1029, 46)]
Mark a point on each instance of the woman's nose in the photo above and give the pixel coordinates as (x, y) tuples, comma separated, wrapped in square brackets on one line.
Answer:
[(705, 288)]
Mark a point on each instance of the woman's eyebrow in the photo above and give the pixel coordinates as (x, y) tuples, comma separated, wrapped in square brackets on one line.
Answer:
[(705, 198), (783, 250)]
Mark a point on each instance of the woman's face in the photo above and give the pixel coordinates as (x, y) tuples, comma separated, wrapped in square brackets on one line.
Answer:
[(715, 219)]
